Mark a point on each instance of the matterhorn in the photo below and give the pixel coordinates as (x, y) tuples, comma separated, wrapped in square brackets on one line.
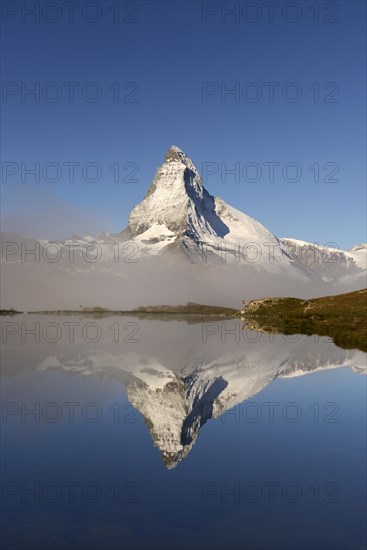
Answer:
[(181, 244)]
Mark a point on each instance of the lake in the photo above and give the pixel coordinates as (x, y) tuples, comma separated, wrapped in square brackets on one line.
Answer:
[(119, 432)]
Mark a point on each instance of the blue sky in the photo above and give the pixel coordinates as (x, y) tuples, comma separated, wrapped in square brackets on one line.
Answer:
[(167, 51)]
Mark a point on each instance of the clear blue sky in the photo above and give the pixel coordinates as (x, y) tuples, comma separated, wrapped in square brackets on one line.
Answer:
[(169, 52)]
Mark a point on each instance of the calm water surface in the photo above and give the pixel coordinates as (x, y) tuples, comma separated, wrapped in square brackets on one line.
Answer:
[(128, 433)]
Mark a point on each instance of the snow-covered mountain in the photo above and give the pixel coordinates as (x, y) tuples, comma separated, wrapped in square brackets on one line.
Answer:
[(331, 263), (178, 214), (181, 244)]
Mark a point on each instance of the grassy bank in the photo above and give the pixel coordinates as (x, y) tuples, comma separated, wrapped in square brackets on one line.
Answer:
[(342, 317)]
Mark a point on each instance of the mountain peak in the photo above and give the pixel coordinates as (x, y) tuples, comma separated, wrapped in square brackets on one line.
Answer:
[(175, 154), (175, 197), (178, 211)]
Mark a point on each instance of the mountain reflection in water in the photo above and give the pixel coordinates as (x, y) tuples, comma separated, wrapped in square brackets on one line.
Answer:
[(178, 375)]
